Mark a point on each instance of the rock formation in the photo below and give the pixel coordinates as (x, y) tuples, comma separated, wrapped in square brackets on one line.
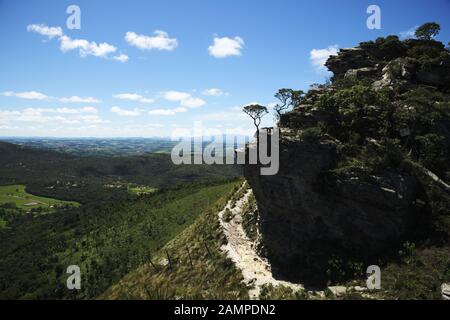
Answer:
[(353, 180)]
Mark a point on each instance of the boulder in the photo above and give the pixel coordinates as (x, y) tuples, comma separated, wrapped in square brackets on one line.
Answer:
[(360, 73), (338, 291), (349, 58), (397, 74)]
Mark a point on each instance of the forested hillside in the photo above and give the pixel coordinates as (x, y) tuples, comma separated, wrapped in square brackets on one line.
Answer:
[(107, 241), (97, 179), (198, 267), (129, 208)]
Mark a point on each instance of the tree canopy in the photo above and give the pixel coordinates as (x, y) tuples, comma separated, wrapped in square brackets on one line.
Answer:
[(256, 112), (288, 98), (427, 31)]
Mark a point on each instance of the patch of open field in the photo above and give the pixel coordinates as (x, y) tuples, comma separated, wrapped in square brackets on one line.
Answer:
[(140, 190), (16, 194)]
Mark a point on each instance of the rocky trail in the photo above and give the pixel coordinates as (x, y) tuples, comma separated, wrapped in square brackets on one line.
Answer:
[(241, 250)]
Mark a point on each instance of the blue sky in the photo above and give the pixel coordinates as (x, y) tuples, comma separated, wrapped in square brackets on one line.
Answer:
[(145, 68)]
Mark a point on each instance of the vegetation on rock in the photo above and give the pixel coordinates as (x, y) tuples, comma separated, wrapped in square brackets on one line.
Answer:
[(359, 155)]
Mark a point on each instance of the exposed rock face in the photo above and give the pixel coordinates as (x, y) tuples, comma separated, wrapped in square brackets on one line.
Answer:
[(309, 216), (348, 59), (360, 73), (304, 223), (387, 62)]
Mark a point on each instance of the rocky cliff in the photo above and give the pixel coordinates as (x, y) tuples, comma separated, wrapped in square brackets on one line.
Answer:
[(364, 161)]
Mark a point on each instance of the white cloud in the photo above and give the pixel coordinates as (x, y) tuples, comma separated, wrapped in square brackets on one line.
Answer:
[(147, 100), (89, 110), (84, 47), (92, 119), (76, 111), (133, 97), (45, 115), (30, 95), (77, 99), (79, 129), (318, 57), (160, 41), (121, 57), (166, 112), (192, 102), (44, 30), (410, 33), (240, 131), (224, 116), (185, 99), (272, 105), (214, 92), (6, 116), (35, 95), (226, 47), (176, 95), (126, 113), (35, 116)]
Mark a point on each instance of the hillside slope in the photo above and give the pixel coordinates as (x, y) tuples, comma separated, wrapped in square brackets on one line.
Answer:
[(191, 266), (106, 241)]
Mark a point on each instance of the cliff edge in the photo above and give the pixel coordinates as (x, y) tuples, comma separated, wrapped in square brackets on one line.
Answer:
[(364, 162)]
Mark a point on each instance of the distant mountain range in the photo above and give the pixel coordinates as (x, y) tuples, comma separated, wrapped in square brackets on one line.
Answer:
[(110, 146)]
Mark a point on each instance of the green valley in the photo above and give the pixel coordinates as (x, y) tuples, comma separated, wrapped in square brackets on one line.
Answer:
[(108, 216)]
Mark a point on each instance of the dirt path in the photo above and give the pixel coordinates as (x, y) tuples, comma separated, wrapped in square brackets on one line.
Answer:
[(240, 249)]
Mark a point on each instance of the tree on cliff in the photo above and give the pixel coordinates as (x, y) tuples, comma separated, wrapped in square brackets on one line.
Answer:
[(288, 98), (256, 112), (427, 31)]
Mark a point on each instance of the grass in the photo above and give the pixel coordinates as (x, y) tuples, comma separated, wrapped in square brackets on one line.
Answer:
[(418, 275), (140, 190), (198, 269), (18, 195), (269, 292)]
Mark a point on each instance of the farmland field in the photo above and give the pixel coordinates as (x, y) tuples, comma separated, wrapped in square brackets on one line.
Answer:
[(23, 200)]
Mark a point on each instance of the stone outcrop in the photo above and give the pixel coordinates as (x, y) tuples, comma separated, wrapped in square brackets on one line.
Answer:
[(349, 59), (305, 222), (387, 63), (309, 216)]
